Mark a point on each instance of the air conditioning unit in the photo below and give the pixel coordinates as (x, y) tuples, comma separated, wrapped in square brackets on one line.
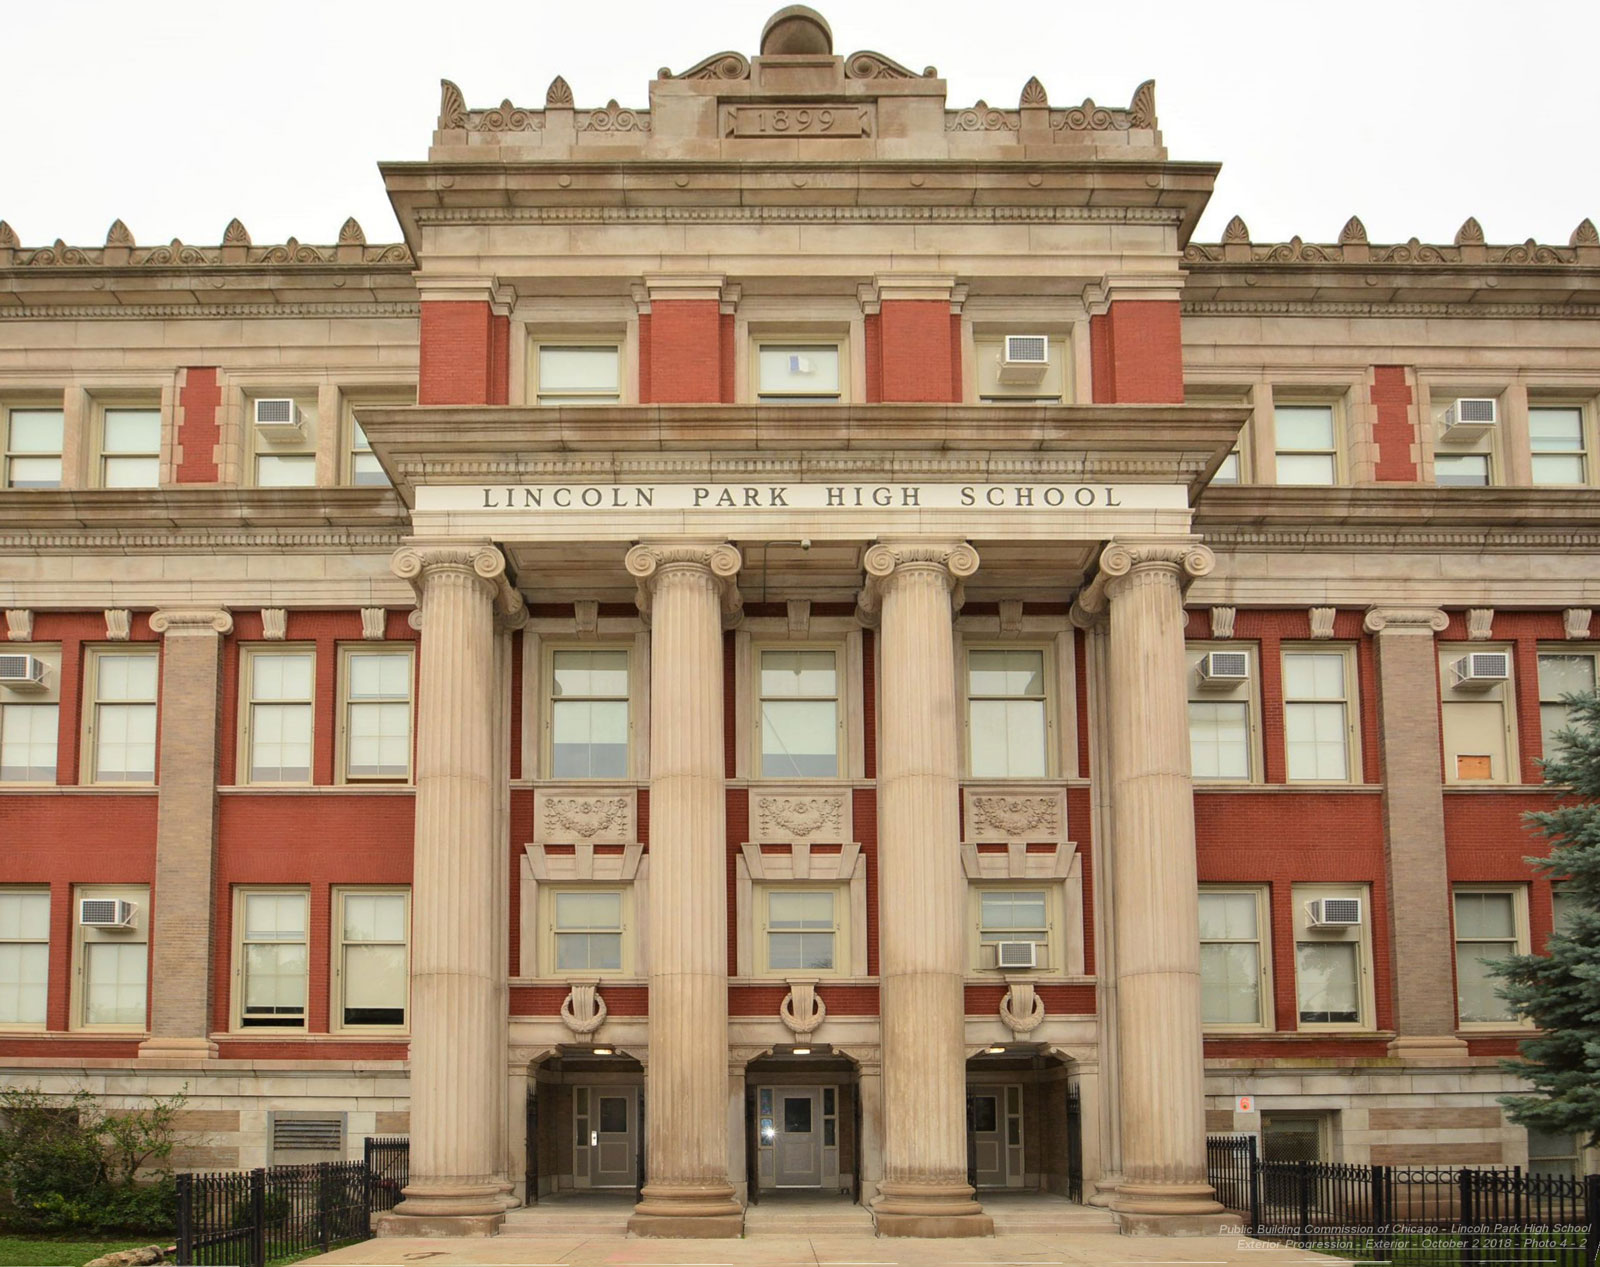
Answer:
[(1470, 418), (1026, 358), (21, 672), (1223, 670), (1481, 670), (105, 912), (278, 420), (1334, 912), (1016, 954)]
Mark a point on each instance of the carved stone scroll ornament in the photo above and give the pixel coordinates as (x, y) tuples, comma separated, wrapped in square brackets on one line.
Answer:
[(799, 817), (119, 622), (883, 562), (583, 1010), (1222, 622), (584, 817), (1015, 817), (417, 563), (802, 1009), (196, 620), (647, 563), (1123, 562), (1480, 623), (19, 624), (1322, 622), (1575, 622), (1021, 1009)]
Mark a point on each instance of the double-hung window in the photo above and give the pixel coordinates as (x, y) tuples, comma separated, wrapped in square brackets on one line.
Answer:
[(1561, 673), (285, 449), (24, 957), (365, 469), (377, 714), (33, 447), (1332, 955), (1008, 722), (1008, 914), (1556, 437), (1479, 722), (588, 718), (273, 958), (113, 968), (122, 715), (1318, 717), (1233, 957), (800, 718), (1553, 1154), (130, 449), (799, 371), (1490, 925), (1307, 444), (578, 374), (802, 930), (1222, 718), (29, 719), (587, 926), (372, 980), (281, 687)]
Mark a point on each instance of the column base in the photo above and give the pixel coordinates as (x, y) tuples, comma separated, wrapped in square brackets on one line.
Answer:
[(1105, 1191), (1429, 1049), (456, 1209), (928, 1210), (178, 1050), (1172, 1209), (1224, 1223), (672, 1210), (391, 1223)]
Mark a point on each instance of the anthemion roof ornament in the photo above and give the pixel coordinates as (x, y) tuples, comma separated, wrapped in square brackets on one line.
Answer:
[(350, 232), (119, 234), (1584, 234), (1353, 231), (1033, 93), (452, 106), (235, 234), (1470, 233), (1236, 230), (559, 95)]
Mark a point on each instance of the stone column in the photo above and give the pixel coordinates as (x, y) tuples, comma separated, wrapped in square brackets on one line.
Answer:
[(186, 834), (457, 973), (1413, 831), (922, 894), (1155, 905), (684, 589)]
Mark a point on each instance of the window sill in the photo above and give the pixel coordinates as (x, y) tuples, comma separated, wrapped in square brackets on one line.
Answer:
[(78, 789), (301, 1036), (1204, 786), (319, 789), (565, 981)]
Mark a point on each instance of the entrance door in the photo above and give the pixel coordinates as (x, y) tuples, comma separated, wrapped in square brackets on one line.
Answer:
[(986, 1114), (608, 1132), (798, 1147)]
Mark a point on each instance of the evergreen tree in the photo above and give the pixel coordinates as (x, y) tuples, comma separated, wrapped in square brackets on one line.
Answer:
[(1559, 991)]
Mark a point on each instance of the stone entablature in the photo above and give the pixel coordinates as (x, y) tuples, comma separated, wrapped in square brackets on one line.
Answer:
[(121, 251)]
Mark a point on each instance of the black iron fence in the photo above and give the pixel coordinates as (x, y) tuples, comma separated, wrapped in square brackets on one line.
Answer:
[(251, 1218), (1424, 1216)]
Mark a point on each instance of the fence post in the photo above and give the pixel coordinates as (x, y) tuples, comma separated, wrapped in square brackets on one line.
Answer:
[(1377, 1213), (185, 1219), (1591, 1213), (322, 1205), (1302, 1176), (1255, 1188), (1465, 1217), (258, 1218)]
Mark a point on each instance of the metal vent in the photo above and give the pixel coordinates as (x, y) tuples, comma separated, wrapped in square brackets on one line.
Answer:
[(308, 1134)]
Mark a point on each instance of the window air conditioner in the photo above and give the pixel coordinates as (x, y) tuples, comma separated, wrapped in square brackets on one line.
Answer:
[(22, 672), (1026, 358), (1470, 418), (278, 420), (1334, 912), (1223, 670), (105, 912), (1481, 670), (1016, 954)]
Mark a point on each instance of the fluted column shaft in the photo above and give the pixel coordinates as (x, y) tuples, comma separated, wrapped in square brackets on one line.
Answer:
[(687, 1191), (1156, 909), (457, 1041), (921, 895)]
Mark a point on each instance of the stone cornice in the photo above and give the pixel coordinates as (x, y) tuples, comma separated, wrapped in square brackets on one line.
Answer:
[(171, 519), (1398, 308), (201, 309), (783, 213)]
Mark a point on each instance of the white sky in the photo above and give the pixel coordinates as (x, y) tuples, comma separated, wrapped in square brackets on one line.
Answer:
[(177, 115)]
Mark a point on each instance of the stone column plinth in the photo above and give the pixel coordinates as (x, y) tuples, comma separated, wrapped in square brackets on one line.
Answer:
[(186, 835), (458, 1184), (1413, 833), (684, 588), (922, 894), (1155, 916)]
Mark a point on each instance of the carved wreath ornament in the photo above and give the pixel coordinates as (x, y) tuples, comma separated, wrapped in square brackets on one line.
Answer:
[(586, 818), (1015, 816), (799, 816)]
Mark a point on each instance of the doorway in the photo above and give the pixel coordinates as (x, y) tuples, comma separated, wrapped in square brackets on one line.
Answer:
[(994, 1126), (605, 1136)]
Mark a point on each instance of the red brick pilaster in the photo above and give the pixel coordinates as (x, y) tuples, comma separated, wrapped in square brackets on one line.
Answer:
[(1136, 353), (199, 430), (917, 350), (1393, 430), (464, 354)]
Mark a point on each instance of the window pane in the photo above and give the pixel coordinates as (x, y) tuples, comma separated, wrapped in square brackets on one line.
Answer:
[(380, 675), (613, 1114), (1463, 470), (1315, 740), (275, 916), (28, 743), (1551, 468), (375, 985), (298, 470), (1228, 472), (24, 916), (1563, 906), (1302, 427), (1486, 915), (797, 1115), (582, 909), (23, 974), (589, 739), (585, 951), (1227, 916), (1565, 675), (132, 473), (787, 674), (1555, 430), (280, 743), (378, 745), (114, 983), (1007, 738), (1477, 986), (799, 371), (1327, 982), (591, 673), (275, 982), (127, 677), (1230, 982), (1306, 468), (579, 370), (125, 751), (1006, 673), (1012, 915), (34, 473), (799, 738), (375, 917), (35, 431), (1219, 739), (367, 470), (133, 431), (800, 910), (1313, 675), (788, 951)]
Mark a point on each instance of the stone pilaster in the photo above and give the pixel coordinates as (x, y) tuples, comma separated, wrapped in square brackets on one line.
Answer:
[(458, 969), (1155, 921), (921, 894), (1413, 832), (684, 589), (186, 834)]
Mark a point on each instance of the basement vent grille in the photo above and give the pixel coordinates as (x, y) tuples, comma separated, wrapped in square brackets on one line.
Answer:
[(316, 1134)]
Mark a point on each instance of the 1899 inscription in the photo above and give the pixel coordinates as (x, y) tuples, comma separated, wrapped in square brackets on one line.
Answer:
[(813, 119)]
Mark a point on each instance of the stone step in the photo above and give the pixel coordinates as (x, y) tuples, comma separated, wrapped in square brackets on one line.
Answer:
[(829, 1218), (556, 1219)]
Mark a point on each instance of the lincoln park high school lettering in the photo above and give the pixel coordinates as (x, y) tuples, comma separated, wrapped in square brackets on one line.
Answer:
[(803, 496)]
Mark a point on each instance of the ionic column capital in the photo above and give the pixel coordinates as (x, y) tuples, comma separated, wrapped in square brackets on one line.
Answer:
[(650, 562), (419, 562), (1405, 620), (1178, 560), (887, 562), (182, 621)]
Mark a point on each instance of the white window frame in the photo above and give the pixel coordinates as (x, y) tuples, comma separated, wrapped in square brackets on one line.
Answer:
[(548, 959), (7, 453), (1508, 758), (103, 409), (1250, 697), (240, 894), (94, 657), (1051, 702), (548, 651), (83, 938), (841, 709), (248, 655), (1440, 396), (1584, 454), (1518, 893), (842, 909), (34, 891), (615, 342), (1351, 703), (16, 703), (1265, 1021), (1052, 954), (256, 448), (1560, 649), (800, 342), (1361, 937), (1335, 408), (350, 428), (991, 345), (342, 743), (336, 957)]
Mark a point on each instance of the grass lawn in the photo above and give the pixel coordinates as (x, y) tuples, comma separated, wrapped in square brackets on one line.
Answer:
[(42, 1251)]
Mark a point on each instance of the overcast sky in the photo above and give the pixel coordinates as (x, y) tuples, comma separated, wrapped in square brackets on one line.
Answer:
[(1414, 114)]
